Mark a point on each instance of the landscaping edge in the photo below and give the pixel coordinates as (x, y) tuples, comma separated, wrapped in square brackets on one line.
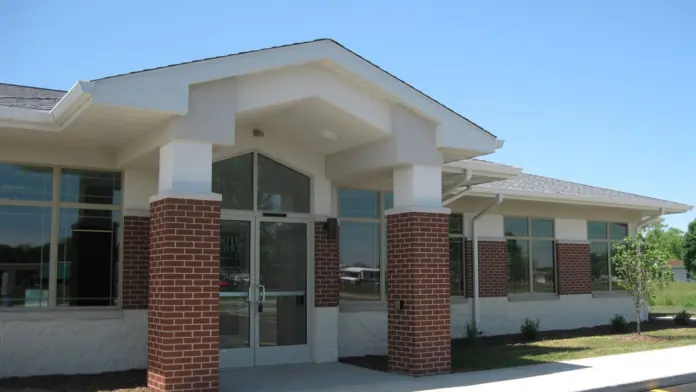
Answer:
[(647, 385)]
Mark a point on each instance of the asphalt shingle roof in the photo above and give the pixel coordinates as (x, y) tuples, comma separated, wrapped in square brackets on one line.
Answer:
[(26, 97), (545, 185)]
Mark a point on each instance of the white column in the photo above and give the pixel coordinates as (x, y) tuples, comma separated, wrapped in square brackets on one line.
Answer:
[(185, 169), (138, 187), (418, 189)]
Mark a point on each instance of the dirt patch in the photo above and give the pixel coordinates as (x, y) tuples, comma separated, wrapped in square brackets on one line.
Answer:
[(128, 381)]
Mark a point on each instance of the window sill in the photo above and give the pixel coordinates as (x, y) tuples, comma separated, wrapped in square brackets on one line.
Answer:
[(362, 306), (531, 297), (60, 314), (611, 294)]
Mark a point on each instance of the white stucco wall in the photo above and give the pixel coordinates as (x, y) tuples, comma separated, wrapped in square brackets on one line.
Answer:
[(324, 335), (73, 343)]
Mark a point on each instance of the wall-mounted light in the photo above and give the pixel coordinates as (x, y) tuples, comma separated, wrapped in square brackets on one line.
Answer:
[(257, 133)]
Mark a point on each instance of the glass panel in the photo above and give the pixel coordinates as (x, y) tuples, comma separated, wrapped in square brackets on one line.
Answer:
[(281, 189), (358, 204), (388, 200), (542, 228), (283, 272), (614, 279), (599, 265), (26, 183), (25, 238), (86, 186), (456, 248), (597, 230), (518, 266), (544, 276), (516, 227), (88, 248), (234, 179), (235, 311), (359, 261), (456, 224), (618, 231)]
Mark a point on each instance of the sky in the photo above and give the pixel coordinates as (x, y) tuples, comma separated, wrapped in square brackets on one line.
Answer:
[(596, 92)]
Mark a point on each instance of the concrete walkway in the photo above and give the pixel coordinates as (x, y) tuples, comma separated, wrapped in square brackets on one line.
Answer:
[(631, 371)]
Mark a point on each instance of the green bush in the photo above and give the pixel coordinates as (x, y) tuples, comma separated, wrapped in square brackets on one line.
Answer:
[(682, 318), (619, 323), (530, 330)]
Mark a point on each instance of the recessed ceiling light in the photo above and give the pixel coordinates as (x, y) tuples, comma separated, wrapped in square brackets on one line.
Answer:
[(331, 135)]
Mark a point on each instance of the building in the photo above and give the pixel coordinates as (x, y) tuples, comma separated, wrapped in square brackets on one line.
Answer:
[(680, 272), (182, 219)]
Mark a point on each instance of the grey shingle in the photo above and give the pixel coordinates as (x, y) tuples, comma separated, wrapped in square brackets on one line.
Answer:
[(545, 185), (26, 97)]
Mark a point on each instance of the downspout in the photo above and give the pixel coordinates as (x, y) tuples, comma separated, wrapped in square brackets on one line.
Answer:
[(475, 304)]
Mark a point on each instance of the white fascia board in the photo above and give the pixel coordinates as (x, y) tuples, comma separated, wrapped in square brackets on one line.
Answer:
[(674, 208), (26, 119), (79, 94)]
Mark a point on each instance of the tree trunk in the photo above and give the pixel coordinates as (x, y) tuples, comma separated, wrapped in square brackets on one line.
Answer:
[(638, 321)]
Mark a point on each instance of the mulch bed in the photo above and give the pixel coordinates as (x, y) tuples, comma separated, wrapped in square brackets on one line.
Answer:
[(127, 381)]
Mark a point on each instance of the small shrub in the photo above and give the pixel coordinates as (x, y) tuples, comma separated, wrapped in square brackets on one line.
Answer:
[(619, 323), (682, 318), (530, 330), (472, 333)]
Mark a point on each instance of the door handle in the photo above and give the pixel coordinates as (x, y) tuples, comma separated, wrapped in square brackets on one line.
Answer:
[(248, 298), (262, 293)]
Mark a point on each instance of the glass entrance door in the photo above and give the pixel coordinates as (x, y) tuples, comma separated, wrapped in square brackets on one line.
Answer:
[(263, 291)]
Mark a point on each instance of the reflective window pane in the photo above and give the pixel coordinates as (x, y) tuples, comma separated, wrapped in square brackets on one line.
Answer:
[(456, 224), (359, 261), (456, 248), (281, 189), (86, 186), (235, 259), (516, 227), (25, 236), (599, 265), (542, 228), (88, 249), (518, 266), (543, 267), (353, 203), (597, 230), (26, 183), (615, 281), (618, 231), (388, 200), (234, 179)]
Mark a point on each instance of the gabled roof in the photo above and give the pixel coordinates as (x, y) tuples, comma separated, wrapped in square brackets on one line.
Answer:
[(27, 97)]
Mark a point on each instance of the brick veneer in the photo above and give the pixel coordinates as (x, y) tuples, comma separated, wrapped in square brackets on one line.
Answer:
[(136, 237), (469, 268), (492, 269), (326, 279), (183, 311), (573, 271), (419, 335)]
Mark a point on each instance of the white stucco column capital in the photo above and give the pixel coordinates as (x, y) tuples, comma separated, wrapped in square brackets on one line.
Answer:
[(418, 188), (186, 170)]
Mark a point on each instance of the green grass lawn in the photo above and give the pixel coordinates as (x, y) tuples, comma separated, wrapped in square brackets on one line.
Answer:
[(676, 297), (485, 356)]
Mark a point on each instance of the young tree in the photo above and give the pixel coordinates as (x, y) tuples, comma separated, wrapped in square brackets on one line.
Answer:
[(642, 269), (690, 248)]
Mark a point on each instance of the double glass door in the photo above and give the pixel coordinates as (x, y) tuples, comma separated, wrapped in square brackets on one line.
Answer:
[(263, 291)]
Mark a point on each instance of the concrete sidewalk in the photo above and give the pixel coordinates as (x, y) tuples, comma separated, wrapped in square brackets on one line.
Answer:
[(626, 372)]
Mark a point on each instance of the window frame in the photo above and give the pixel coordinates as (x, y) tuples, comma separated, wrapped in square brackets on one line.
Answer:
[(610, 246), (462, 256), (530, 238), (55, 204), (381, 221)]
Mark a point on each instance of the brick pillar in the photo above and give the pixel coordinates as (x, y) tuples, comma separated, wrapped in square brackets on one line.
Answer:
[(326, 280), (469, 268), (419, 335), (136, 246), (183, 311), (493, 278), (573, 271)]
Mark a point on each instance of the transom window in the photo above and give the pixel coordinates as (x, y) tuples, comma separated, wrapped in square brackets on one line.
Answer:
[(457, 255), (254, 182), (59, 237), (362, 243), (530, 255), (603, 236)]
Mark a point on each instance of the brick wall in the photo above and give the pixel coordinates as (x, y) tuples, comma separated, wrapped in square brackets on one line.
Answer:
[(136, 237), (326, 280), (183, 308), (469, 268), (573, 272), (419, 335), (492, 269)]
